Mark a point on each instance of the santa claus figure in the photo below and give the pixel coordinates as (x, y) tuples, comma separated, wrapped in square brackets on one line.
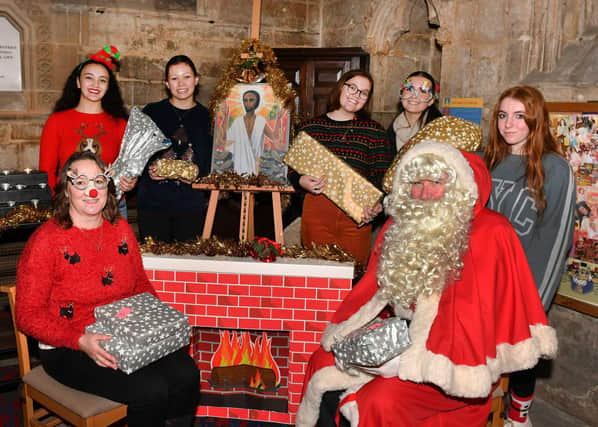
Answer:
[(457, 272)]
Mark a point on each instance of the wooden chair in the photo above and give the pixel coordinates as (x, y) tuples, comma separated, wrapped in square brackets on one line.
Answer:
[(495, 418), (57, 403)]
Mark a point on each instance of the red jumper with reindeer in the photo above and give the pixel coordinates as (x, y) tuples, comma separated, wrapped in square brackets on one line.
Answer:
[(68, 131)]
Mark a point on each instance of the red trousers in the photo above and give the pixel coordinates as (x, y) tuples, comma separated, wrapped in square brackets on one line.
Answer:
[(390, 402), (323, 223)]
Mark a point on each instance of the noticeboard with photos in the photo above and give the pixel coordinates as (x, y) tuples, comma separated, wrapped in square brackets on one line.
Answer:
[(575, 125)]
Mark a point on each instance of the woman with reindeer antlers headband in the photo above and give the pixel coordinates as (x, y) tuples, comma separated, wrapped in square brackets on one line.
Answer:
[(89, 115)]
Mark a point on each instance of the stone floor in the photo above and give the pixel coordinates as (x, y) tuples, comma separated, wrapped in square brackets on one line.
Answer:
[(544, 414)]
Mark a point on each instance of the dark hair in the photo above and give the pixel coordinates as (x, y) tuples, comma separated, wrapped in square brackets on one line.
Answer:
[(432, 111), (584, 205), (60, 201), (539, 140), (112, 102), (180, 59), (334, 97), (256, 93)]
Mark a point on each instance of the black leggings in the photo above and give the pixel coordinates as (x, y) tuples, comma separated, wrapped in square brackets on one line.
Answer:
[(523, 383), (167, 388), (328, 408)]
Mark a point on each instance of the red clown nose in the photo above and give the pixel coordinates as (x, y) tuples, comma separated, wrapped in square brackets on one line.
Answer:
[(93, 193)]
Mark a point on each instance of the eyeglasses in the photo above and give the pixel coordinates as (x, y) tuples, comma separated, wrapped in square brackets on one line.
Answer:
[(422, 93), (354, 90), (81, 182)]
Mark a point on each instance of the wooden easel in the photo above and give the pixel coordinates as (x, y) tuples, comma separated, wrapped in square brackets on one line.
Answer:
[(246, 223), (255, 19)]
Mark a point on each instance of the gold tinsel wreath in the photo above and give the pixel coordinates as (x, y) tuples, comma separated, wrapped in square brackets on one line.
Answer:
[(253, 54)]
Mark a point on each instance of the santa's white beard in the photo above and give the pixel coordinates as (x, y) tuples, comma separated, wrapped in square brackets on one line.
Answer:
[(422, 249)]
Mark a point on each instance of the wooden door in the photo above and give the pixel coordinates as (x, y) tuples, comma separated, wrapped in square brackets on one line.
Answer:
[(314, 71)]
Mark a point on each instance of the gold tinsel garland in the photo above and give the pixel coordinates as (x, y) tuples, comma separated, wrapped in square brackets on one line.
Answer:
[(254, 55), (24, 214), (233, 248), (211, 247), (230, 178)]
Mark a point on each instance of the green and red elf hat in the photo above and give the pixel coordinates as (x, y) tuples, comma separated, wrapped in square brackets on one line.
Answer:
[(109, 55)]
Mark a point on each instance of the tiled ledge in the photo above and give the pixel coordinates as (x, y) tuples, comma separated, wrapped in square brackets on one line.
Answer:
[(223, 264)]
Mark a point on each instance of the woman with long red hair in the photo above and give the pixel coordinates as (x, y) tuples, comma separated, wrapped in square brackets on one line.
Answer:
[(534, 187)]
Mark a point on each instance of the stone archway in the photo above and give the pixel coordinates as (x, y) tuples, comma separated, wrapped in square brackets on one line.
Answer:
[(402, 37), (391, 19)]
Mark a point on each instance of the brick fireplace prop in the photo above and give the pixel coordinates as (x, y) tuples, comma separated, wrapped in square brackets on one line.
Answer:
[(288, 302)]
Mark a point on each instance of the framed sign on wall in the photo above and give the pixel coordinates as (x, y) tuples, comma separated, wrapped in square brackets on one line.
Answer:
[(575, 125)]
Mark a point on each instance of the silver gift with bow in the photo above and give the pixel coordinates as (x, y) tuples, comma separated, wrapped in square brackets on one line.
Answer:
[(141, 140), (373, 344)]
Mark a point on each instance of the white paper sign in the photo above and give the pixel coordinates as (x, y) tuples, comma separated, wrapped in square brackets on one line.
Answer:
[(10, 57)]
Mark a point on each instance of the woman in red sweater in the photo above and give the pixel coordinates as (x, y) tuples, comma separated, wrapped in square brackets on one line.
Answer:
[(90, 115), (84, 257)]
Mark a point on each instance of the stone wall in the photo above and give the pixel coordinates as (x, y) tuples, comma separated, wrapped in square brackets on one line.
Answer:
[(56, 36), (476, 48)]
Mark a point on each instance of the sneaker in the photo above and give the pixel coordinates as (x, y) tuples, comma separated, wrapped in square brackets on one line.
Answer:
[(511, 423)]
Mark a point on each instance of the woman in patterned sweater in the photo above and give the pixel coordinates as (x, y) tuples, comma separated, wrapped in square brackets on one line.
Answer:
[(348, 132)]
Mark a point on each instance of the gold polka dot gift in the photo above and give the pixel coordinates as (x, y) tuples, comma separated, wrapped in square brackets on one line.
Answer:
[(459, 133), (344, 186), (177, 169)]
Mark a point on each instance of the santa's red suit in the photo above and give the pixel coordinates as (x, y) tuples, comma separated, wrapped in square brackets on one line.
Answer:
[(488, 323)]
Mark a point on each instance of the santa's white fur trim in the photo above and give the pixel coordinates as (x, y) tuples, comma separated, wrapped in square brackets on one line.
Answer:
[(450, 154), (337, 331), (420, 365), (326, 379), (402, 312), (350, 410)]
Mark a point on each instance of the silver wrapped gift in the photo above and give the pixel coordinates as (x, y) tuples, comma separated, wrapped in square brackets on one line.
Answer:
[(130, 358), (141, 319), (374, 344), (141, 140)]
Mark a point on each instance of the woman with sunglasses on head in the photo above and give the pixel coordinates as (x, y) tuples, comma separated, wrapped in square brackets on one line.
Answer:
[(417, 107), (170, 209), (349, 133), (90, 115), (87, 256), (534, 187)]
